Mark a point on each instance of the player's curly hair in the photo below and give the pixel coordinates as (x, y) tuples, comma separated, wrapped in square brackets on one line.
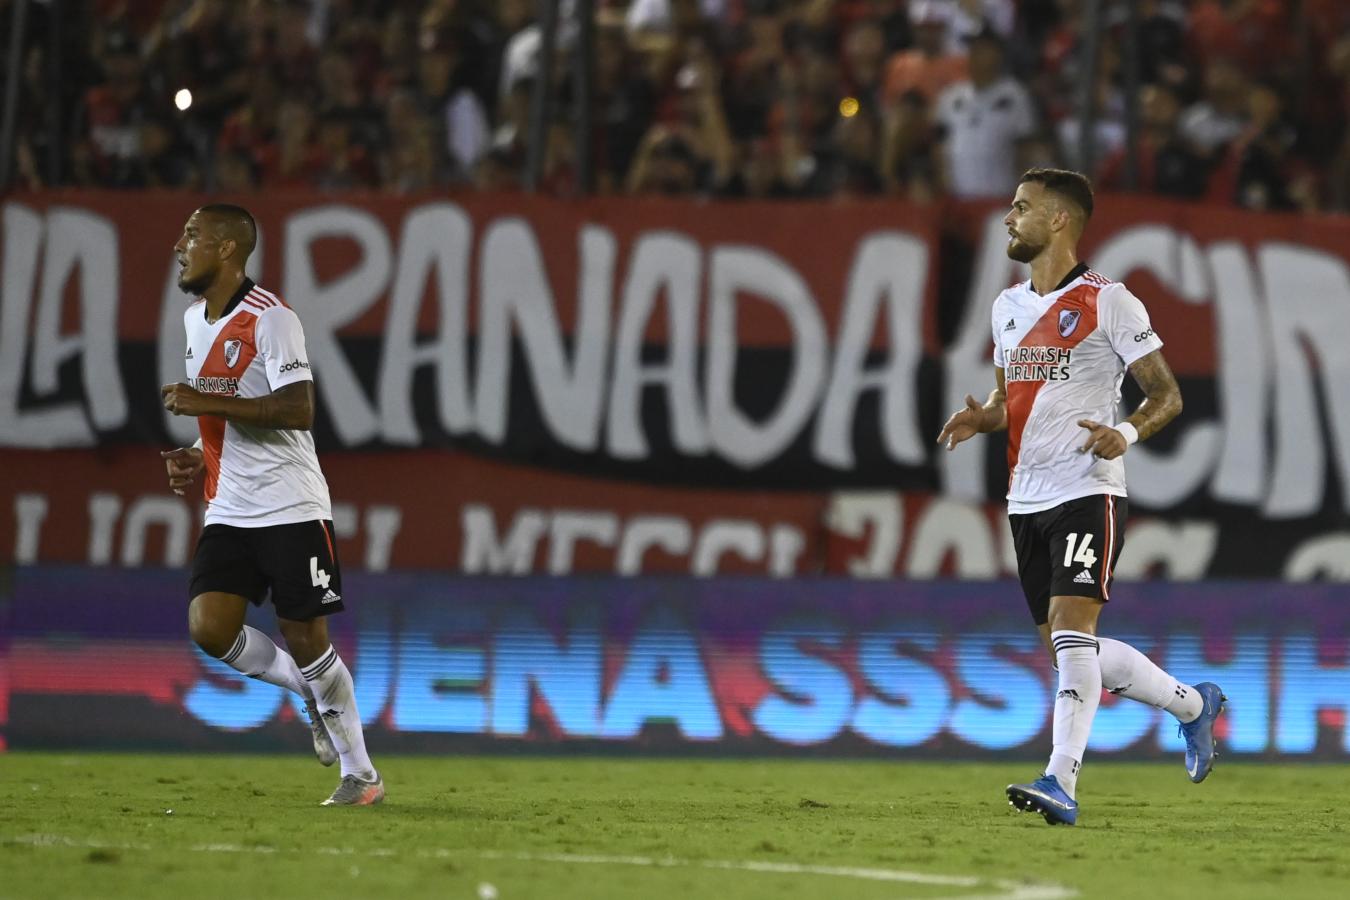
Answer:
[(1072, 186)]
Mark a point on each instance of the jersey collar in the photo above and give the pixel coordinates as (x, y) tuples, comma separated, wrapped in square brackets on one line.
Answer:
[(1074, 274), (244, 287)]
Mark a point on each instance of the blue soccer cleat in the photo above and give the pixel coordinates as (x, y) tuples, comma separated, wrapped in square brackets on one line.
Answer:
[(1044, 796), (1199, 735)]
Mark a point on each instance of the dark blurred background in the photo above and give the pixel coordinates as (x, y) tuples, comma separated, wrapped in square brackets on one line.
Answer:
[(1239, 102)]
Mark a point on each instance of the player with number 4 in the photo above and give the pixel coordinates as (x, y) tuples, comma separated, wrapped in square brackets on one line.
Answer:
[(1063, 341), (268, 529)]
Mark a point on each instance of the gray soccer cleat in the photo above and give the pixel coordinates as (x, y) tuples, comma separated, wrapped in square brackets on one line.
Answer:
[(323, 744), (352, 791)]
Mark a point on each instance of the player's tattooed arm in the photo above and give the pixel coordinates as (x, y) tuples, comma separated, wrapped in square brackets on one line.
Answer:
[(1162, 395), (977, 418), (1162, 402), (290, 407)]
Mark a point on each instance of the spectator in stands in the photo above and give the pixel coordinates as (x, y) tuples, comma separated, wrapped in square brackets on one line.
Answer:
[(411, 163), (500, 170), (846, 166), (1162, 40), (751, 76), (864, 56), (1338, 62), (112, 119), (930, 67), (624, 101), (983, 122), (292, 158), (233, 173), (1220, 115), (759, 172), (695, 141), (1168, 165), (251, 127), (204, 51), (1109, 119), (969, 17), (34, 101), (666, 164), (1254, 34), (667, 17), (1260, 169), (907, 164), (346, 163)]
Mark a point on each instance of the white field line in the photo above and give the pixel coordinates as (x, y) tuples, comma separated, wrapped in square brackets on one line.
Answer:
[(1002, 889)]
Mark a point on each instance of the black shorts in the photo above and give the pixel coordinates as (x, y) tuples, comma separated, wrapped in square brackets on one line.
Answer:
[(297, 563), (1069, 550)]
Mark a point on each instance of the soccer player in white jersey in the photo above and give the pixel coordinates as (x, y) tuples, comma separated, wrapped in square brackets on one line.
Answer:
[(1063, 341), (268, 526)]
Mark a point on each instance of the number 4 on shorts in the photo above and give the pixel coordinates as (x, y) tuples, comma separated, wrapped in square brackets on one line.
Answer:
[(1085, 555), (321, 578)]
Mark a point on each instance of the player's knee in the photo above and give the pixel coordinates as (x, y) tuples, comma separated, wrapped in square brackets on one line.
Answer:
[(214, 637)]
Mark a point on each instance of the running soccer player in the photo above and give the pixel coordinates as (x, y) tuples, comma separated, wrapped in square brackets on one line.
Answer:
[(268, 520), (1062, 343)]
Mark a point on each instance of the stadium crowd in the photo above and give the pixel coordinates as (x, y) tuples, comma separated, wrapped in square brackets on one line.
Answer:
[(1242, 101)]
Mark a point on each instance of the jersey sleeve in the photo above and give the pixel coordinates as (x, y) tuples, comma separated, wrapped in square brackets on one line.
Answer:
[(281, 344), (999, 359), (1127, 325)]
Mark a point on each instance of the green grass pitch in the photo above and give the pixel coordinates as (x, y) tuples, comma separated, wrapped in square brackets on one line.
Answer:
[(203, 826)]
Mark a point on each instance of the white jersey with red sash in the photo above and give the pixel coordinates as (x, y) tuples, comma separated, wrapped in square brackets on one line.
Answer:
[(1064, 356), (254, 476)]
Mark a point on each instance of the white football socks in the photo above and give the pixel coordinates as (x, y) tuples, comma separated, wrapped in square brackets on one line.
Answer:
[(257, 656), (1129, 673), (1080, 692), (332, 685)]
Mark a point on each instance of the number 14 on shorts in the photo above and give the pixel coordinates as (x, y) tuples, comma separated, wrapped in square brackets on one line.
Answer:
[(1084, 554)]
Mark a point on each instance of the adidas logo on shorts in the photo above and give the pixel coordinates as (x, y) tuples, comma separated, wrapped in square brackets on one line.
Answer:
[(1083, 577), (330, 597)]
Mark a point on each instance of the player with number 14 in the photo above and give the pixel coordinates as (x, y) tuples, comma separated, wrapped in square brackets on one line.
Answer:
[(1063, 341)]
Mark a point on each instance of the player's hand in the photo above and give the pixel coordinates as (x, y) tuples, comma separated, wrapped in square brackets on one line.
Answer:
[(964, 424), (183, 400), (1103, 440), (183, 465)]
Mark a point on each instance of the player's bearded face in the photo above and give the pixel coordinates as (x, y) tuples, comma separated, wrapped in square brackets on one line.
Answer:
[(1028, 223), (1024, 247)]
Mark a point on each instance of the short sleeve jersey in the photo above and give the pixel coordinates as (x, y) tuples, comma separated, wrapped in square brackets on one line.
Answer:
[(1064, 356), (254, 476)]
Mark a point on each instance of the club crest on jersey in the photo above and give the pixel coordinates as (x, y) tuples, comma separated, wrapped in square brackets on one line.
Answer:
[(232, 348), (1068, 321)]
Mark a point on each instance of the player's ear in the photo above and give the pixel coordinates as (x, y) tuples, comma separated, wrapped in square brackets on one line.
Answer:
[(228, 246), (1061, 219)]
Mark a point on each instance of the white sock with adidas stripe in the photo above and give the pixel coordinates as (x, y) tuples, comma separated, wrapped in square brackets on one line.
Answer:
[(336, 697), (1129, 673), (1080, 692), (257, 656)]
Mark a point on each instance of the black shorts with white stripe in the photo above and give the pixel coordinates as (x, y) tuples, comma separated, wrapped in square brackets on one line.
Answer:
[(1069, 550)]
